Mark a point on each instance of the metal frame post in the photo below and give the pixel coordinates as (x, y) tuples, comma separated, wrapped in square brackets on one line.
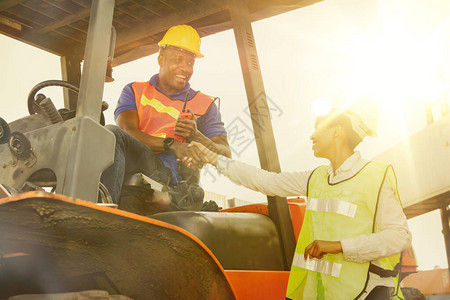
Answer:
[(91, 146), (95, 59), (262, 125), (71, 72), (445, 214)]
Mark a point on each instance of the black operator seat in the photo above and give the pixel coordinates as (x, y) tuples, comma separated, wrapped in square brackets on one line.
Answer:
[(240, 241)]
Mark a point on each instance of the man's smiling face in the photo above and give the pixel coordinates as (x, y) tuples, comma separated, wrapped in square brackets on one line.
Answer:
[(176, 68)]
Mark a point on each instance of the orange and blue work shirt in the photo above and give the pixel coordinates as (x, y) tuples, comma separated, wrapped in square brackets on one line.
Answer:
[(210, 123)]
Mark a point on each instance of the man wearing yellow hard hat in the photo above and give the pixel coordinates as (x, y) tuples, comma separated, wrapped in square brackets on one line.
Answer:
[(158, 118), (354, 228)]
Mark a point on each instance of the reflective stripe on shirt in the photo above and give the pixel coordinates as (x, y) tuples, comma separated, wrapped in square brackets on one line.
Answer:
[(159, 107), (333, 206), (317, 265)]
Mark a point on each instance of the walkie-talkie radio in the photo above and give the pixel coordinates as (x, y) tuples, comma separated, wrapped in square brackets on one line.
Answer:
[(183, 115)]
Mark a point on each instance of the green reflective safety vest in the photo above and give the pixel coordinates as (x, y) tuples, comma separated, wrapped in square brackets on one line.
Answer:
[(334, 212)]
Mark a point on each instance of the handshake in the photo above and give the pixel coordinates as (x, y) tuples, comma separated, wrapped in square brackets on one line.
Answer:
[(194, 155), (198, 155)]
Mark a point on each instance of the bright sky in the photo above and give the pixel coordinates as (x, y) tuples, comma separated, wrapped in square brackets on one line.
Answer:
[(394, 50)]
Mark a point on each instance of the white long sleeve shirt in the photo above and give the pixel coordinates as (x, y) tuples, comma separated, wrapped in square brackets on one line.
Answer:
[(394, 235)]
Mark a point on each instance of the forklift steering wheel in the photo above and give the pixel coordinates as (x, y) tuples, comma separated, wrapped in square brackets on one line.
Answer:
[(33, 100), (33, 106)]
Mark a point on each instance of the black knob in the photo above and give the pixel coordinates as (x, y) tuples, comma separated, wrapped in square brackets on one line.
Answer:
[(5, 132), (20, 145)]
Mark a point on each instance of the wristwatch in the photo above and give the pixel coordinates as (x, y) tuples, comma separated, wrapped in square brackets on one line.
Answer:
[(167, 142)]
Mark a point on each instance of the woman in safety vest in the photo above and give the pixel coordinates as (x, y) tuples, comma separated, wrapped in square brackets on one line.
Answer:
[(354, 227)]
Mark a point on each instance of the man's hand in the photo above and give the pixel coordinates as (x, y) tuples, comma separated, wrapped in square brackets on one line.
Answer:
[(319, 248), (183, 153), (187, 128), (206, 155)]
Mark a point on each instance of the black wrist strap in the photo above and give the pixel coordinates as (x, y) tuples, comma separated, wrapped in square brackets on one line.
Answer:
[(383, 272)]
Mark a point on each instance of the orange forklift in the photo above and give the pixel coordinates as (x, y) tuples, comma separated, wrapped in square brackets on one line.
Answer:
[(55, 236)]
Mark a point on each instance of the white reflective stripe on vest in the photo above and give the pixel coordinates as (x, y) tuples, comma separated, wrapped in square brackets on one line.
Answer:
[(334, 206), (317, 265)]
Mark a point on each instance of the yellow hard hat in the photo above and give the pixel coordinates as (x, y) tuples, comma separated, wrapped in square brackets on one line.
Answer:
[(184, 37)]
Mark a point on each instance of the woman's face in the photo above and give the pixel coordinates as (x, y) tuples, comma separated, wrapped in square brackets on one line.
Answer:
[(322, 138)]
